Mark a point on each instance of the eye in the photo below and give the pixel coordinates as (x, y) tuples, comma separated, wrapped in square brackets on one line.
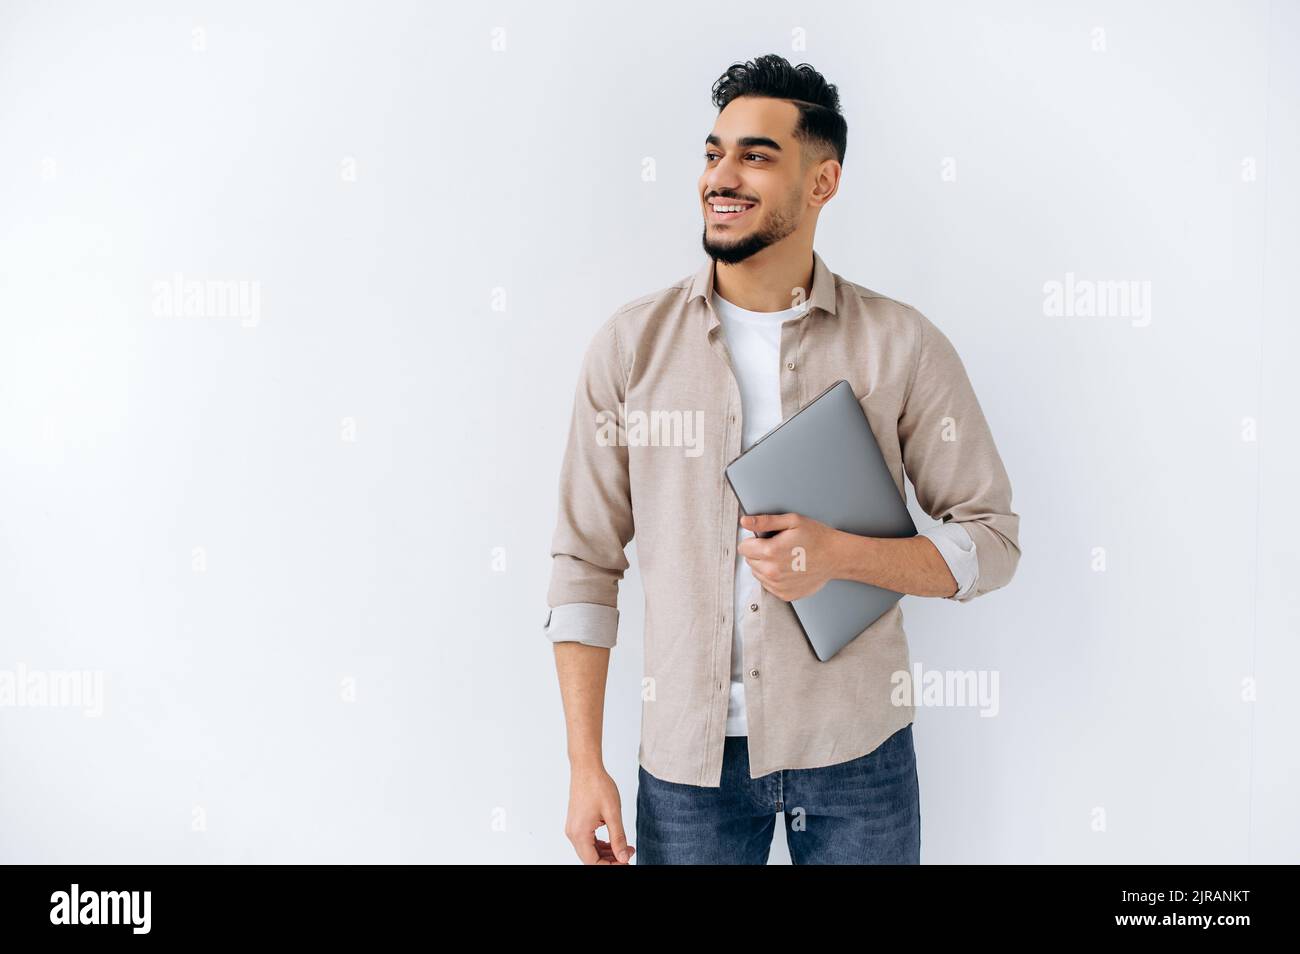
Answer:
[(749, 155)]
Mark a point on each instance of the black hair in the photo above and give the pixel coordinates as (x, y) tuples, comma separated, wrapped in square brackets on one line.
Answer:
[(820, 125)]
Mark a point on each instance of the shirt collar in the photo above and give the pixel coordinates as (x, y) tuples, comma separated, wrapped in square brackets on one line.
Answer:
[(823, 288)]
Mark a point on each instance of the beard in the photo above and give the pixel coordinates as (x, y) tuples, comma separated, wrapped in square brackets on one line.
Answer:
[(732, 251)]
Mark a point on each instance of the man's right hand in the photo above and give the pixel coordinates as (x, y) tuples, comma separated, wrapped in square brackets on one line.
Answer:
[(594, 801)]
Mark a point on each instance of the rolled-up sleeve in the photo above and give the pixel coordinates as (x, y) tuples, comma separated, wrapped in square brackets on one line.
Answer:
[(594, 524), (958, 551), (952, 461)]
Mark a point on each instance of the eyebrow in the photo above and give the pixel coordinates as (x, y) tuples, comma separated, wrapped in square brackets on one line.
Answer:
[(745, 142)]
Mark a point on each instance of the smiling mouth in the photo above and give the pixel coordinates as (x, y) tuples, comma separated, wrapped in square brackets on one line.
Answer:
[(728, 210)]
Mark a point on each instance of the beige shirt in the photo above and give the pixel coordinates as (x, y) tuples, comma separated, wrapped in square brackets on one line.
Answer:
[(656, 418)]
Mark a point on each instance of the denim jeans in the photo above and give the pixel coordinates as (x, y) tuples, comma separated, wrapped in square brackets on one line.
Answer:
[(863, 811)]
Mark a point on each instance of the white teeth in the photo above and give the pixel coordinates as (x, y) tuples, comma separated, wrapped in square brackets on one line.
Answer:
[(730, 208)]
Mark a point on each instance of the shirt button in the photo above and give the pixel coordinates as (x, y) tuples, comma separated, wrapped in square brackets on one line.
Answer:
[(754, 607), (753, 672), (790, 365)]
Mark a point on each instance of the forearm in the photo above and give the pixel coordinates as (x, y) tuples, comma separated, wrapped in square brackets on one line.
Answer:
[(910, 565), (582, 672)]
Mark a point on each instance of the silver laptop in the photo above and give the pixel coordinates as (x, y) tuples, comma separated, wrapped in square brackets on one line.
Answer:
[(823, 462)]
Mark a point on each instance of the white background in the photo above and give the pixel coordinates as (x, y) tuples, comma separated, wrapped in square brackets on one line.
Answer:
[(128, 439)]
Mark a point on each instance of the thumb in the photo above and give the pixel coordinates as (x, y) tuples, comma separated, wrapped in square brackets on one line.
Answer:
[(617, 839)]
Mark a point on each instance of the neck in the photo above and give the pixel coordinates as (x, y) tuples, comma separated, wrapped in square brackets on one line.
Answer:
[(768, 280)]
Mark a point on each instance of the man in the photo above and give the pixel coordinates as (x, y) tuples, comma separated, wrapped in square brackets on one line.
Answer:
[(740, 720)]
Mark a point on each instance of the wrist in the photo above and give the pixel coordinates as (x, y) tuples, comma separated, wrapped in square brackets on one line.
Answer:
[(850, 555), (586, 762)]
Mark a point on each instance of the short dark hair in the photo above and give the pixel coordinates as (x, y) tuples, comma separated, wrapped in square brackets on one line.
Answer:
[(820, 125)]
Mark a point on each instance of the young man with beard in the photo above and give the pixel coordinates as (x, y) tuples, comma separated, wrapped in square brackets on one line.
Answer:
[(740, 720)]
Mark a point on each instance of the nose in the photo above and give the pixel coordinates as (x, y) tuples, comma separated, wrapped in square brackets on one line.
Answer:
[(722, 180)]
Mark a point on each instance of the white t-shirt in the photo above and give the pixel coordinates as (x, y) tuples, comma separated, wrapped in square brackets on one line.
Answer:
[(754, 342)]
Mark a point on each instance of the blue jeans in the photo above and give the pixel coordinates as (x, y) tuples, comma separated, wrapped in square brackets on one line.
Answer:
[(863, 811)]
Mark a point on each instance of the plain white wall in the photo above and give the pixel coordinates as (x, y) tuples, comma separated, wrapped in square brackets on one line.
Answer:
[(308, 552)]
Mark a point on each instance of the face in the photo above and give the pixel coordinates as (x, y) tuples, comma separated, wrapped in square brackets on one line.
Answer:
[(753, 188)]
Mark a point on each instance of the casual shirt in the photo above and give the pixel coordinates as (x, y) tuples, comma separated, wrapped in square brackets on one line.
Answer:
[(753, 340), (657, 415)]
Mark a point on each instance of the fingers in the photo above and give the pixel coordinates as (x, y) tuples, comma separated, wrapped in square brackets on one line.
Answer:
[(767, 522), (770, 582), (607, 855), (771, 585), (585, 846), (592, 850), (758, 548)]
